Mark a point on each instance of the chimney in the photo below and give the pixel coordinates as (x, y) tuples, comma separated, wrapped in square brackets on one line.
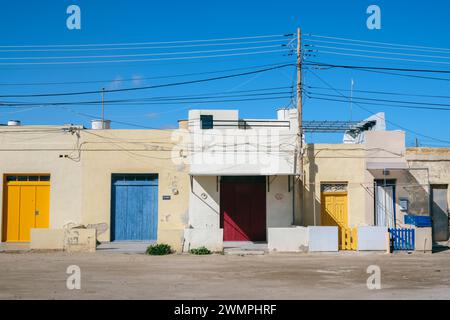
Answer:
[(100, 124), (13, 123)]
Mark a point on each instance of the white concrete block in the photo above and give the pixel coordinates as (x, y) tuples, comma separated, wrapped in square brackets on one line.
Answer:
[(209, 238), (47, 239), (80, 240), (323, 239), (372, 238), (294, 239), (424, 239)]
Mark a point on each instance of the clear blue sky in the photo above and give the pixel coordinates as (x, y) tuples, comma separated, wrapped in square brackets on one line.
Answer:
[(44, 22)]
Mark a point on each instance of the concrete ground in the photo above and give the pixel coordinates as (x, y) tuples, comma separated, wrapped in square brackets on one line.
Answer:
[(32, 275)]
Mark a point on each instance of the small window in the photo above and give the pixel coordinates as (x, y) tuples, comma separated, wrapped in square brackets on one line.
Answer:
[(30, 178), (333, 187), (206, 122)]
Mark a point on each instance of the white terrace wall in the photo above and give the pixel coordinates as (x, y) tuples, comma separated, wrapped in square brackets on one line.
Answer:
[(263, 148)]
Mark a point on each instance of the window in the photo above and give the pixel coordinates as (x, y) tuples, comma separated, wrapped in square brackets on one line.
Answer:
[(334, 187), (30, 178), (206, 122)]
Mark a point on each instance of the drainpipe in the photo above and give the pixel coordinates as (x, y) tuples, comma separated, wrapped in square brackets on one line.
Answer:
[(293, 200)]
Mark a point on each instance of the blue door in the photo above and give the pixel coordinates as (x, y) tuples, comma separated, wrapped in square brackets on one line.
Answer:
[(134, 207)]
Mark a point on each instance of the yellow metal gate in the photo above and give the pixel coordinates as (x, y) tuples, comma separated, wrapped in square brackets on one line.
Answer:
[(26, 206), (334, 212)]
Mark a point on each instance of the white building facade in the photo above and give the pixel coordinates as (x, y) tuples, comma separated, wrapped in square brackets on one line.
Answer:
[(242, 175)]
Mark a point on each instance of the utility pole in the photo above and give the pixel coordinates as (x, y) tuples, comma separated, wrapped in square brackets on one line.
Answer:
[(351, 98), (103, 108), (300, 178)]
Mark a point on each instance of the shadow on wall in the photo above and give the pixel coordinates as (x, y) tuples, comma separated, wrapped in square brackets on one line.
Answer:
[(310, 217), (411, 185)]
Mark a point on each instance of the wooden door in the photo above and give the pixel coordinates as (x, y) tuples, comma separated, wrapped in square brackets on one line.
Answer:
[(243, 208)]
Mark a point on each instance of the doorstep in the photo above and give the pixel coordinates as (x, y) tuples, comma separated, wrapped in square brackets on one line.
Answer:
[(242, 248), (13, 247), (124, 246)]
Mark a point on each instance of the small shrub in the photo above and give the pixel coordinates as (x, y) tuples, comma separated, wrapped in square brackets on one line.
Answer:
[(200, 251), (159, 249)]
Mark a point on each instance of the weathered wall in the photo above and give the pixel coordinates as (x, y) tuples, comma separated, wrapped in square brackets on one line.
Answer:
[(134, 151), (279, 202), (435, 160), (359, 166), (81, 170), (328, 163), (45, 150), (204, 203)]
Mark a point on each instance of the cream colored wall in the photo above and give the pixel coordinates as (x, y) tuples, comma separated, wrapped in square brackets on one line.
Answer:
[(328, 163), (81, 178), (37, 150), (435, 160), (134, 151), (347, 163)]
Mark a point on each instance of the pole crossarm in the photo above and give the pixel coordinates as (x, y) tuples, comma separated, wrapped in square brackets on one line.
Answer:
[(335, 126)]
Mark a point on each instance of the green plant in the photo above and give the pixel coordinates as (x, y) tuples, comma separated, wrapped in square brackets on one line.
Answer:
[(200, 251), (159, 249)]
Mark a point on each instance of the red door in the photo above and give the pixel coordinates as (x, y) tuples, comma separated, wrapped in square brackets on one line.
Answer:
[(243, 208)]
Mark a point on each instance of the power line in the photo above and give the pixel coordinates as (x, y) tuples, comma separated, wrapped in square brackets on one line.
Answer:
[(370, 112), (381, 57), (373, 46), (148, 87), (145, 43), (375, 42), (405, 75), (384, 92), (153, 101), (143, 60), (380, 70), (381, 104), (173, 97), (140, 78), (140, 54), (145, 48), (329, 65), (380, 52)]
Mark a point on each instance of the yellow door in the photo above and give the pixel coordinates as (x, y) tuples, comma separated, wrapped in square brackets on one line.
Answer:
[(335, 213), (27, 206)]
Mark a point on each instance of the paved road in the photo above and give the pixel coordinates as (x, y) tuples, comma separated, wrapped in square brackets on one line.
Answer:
[(304, 276)]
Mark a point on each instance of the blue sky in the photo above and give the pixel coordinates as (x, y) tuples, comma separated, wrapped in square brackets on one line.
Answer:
[(44, 22)]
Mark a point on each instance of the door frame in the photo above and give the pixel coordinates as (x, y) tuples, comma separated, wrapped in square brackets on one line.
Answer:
[(6, 182), (385, 183), (237, 178), (431, 199), (112, 202)]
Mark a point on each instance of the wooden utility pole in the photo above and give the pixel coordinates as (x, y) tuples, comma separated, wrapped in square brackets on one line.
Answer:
[(300, 178), (103, 108)]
